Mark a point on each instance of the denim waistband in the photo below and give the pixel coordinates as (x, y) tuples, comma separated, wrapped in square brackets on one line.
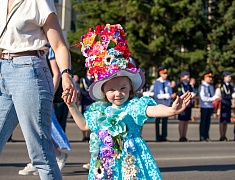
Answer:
[(10, 56)]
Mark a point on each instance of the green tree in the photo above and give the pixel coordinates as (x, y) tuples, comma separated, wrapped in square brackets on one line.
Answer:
[(89, 14), (221, 38), (174, 35), (178, 33)]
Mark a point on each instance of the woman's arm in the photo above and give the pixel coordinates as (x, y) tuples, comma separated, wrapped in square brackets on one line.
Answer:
[(55, 37), (177, 107)]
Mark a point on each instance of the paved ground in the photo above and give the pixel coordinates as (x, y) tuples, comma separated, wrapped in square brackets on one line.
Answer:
[(192, 160)]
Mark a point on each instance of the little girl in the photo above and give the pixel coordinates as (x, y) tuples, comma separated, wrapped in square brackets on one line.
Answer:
[(117, 150)]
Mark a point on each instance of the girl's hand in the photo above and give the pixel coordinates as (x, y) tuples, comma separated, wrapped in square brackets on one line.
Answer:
[(181, 102), (70, 88), (72, 94)]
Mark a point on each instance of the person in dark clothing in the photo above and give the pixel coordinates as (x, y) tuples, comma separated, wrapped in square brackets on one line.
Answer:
[(185, 116), (225, 113), (86, 100), (174, 90)]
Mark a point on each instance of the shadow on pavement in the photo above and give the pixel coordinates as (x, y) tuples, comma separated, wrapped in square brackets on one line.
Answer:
[(199, 168)]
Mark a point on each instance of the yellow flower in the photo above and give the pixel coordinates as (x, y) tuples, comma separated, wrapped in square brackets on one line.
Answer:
[(89, 40)]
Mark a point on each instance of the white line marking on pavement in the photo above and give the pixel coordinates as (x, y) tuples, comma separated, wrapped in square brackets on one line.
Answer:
[(192, 158)]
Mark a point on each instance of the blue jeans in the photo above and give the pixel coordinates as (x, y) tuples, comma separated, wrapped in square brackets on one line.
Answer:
[(26, 95)]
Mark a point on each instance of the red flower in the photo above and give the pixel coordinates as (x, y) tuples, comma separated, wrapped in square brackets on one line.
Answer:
[(106, 33), (102, 26), (99, 28), (112, 29), (126, 54), (122, 47), (130, 65)]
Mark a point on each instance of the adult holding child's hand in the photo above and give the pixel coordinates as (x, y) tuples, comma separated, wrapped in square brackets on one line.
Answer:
[(69, 88), (26, 86), (70, 95)]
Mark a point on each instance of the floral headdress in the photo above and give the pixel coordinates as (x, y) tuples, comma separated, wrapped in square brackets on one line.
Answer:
[(107, 56), (106, 50)]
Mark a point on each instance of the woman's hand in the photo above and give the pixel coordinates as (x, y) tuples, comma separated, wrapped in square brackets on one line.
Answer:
[(181, 102), (70, 93)]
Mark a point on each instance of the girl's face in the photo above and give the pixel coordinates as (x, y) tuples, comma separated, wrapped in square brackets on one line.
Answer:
[(117, 90)]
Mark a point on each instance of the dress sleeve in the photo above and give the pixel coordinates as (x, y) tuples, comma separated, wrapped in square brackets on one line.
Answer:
[(138, 108), (93, 113)]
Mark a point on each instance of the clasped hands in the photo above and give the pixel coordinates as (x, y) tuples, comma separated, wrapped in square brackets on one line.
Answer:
[(70, 93)]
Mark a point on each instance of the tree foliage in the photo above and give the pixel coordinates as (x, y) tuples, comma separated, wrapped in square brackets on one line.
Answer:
[(221, 38), (173, 32)]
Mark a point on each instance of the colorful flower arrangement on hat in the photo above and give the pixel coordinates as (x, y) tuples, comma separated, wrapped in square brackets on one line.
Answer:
[(106, 50), (107, 145)]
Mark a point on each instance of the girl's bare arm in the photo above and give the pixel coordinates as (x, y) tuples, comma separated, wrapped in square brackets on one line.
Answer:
[(177, 107), (77, 115)]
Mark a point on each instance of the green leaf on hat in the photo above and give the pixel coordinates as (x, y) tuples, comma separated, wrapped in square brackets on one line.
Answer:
[(112, 44), (98, 38)]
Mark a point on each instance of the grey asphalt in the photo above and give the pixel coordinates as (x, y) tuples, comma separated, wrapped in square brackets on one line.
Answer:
[(191, 160)]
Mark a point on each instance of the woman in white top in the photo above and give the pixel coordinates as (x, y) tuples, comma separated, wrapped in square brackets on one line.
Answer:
[(26, 87)]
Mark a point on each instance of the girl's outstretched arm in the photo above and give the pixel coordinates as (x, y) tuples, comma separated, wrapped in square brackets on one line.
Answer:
[(77, 115), (177, 107)]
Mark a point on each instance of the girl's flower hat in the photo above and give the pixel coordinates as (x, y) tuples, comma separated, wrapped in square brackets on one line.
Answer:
[(107, 56)]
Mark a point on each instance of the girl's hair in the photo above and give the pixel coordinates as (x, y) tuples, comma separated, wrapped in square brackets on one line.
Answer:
[(131, 95)]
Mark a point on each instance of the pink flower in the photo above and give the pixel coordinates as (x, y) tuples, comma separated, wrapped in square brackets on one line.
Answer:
[(97, 49)]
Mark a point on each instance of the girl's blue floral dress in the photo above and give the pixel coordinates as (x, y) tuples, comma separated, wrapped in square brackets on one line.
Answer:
[(117, 150)]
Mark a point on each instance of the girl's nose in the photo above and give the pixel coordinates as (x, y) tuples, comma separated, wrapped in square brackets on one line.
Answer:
[(117, 93)]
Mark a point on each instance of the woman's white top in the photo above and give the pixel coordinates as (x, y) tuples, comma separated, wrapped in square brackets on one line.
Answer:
[(24, 31)]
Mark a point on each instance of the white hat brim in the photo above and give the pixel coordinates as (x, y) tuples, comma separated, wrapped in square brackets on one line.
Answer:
[(137, 79)]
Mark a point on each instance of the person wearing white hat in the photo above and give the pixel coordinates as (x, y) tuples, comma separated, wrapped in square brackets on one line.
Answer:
[(117, 149)]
